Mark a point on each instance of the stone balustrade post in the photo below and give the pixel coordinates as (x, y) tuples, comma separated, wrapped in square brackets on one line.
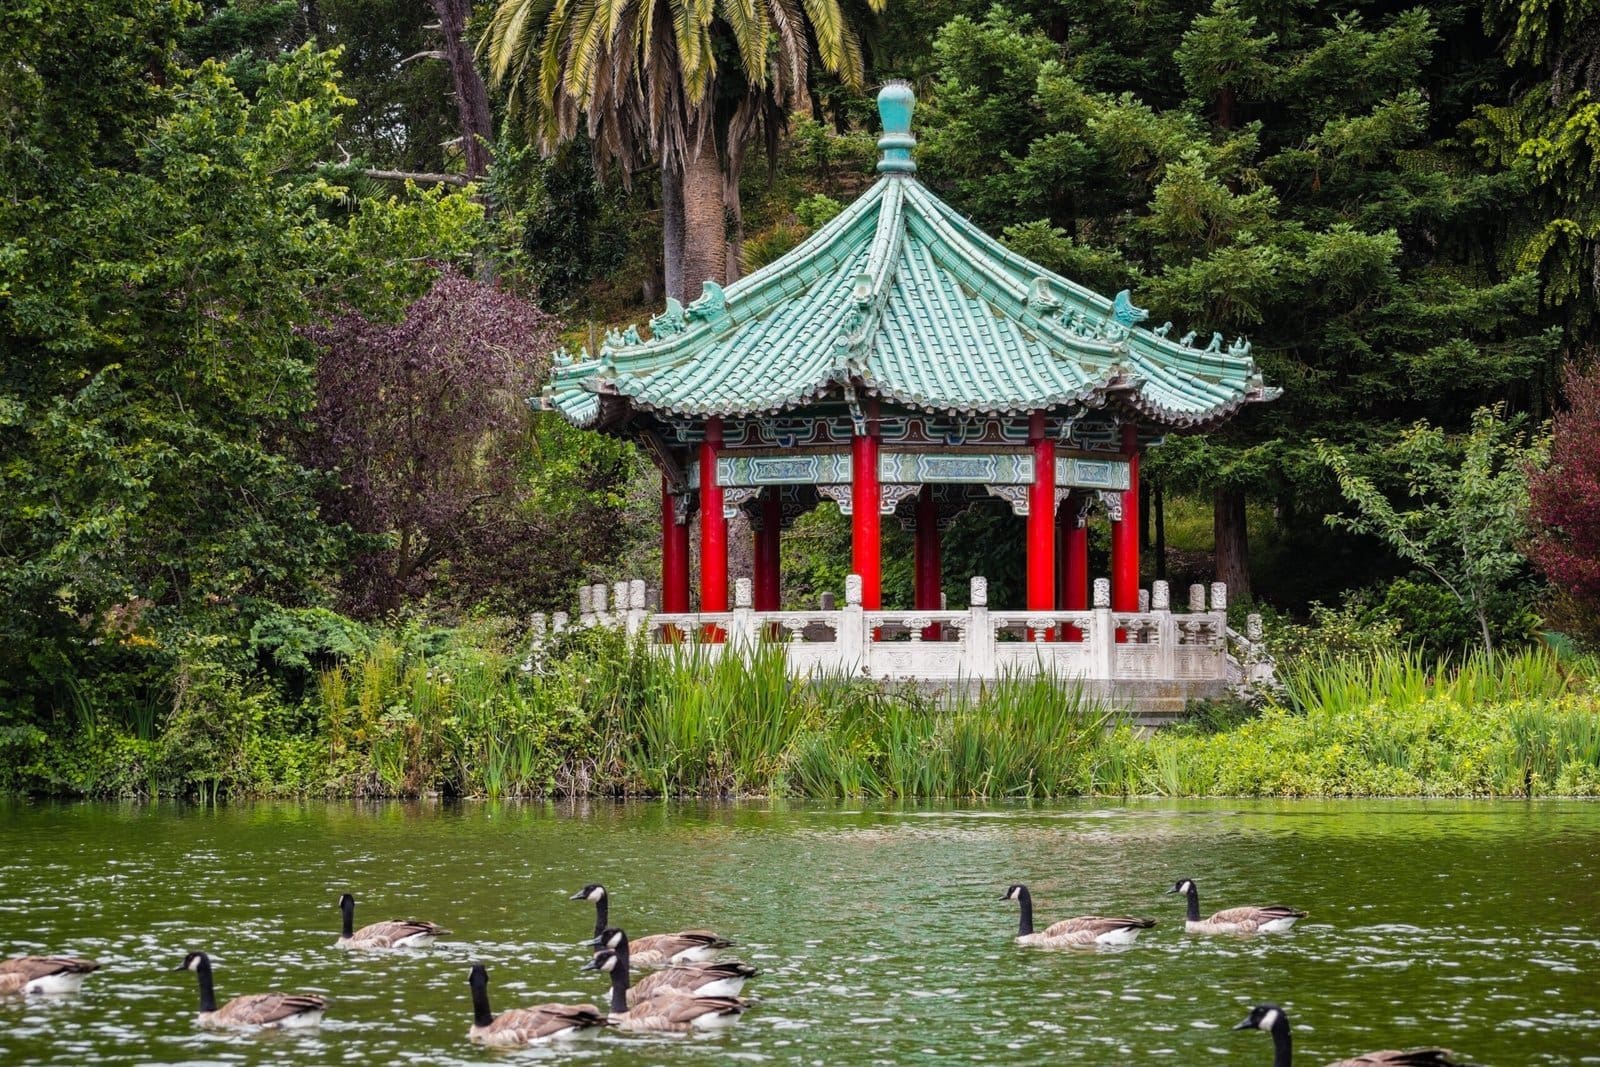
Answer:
[(585, 605), (854, 650), (636, 606), (978, 634), (1219, 596), (742, 631), (559, 622), (619, 604), (1166, 628), (1144, 600), (1102, 632), (829, 602), (1197, 599)]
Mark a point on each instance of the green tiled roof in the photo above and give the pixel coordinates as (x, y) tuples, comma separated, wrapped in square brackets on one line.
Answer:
[(902, 298)]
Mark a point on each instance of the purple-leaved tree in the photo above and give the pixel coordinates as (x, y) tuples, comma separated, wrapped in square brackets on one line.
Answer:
[(426, 427)]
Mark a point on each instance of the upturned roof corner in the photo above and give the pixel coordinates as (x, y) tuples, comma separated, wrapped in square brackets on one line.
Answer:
[(900, 297)]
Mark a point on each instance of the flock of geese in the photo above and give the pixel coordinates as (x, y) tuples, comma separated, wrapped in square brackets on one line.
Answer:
[(688, 988)]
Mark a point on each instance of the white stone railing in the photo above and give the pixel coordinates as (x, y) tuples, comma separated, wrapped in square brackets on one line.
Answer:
[(1154, 643)]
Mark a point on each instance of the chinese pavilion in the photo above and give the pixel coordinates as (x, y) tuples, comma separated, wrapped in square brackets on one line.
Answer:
[(902, 363)]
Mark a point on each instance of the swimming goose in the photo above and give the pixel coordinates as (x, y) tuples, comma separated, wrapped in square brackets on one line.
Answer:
[(1275, 1021), (391, 933), (44, 974), (1270, 919), (527, 1026), (655, 950), (264, 1010), (718, 979), (669, 1012), (1082, 931)]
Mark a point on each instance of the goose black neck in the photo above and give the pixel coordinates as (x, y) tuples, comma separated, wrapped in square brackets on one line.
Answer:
[(1194, 903), (208, 992), (1025, 926), (1281, 1043), (481, 1015), (600, 909), (349, 911), (619, 986)]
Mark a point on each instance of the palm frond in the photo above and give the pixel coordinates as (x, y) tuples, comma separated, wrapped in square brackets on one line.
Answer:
[(827, 25)]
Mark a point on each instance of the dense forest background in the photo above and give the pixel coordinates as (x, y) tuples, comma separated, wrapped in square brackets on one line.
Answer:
[(277, 278)]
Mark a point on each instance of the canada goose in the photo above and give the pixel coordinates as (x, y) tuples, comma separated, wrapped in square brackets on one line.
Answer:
[(1275, 1021), (527, 1026), (1082, 931), (655, 950), (44, 974), (391, 933), (723, 978), (670, 1012), (1270, 919), (274, 1010)]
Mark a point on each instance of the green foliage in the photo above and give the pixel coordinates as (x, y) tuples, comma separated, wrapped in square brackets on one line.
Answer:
[(1470, 514), (158, 267)]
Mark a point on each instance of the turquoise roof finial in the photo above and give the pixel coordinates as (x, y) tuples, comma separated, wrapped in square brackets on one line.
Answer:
[(895, 101)]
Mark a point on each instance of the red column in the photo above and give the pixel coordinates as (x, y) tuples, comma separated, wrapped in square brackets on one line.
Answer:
[(928, 588), (1125, 531), (766, 556), (674, 555), (865, 551), (1074, 563), (1041, 519), (713, 529)]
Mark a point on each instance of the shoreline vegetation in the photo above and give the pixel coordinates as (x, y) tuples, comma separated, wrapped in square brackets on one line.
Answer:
[(406, 712)]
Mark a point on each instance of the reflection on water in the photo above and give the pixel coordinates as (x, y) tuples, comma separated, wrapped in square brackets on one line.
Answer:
[(878, 930)]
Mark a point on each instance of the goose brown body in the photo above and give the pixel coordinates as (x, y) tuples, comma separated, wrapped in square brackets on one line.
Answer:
[(527, 1026), (388, 934), (669, 1011), (723, 978), (44, 974), (655, 950), (1083, 931), (1250, 919), (253, 1010), (1275, 1021)]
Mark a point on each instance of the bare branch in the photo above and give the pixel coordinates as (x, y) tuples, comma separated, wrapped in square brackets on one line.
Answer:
[(415, 176), (432, 53)]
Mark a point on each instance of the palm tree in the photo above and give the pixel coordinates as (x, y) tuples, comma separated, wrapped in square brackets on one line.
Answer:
[(643, 77)]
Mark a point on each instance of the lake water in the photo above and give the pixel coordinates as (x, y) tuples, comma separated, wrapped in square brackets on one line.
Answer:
[(880, 931)]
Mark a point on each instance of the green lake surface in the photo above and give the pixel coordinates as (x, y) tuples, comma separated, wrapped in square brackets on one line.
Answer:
[(879, 930)]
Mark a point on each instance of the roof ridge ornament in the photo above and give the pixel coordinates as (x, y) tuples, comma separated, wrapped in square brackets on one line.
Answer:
[(895, 103)]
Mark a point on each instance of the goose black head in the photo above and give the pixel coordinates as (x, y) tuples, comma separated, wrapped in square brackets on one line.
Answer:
[(1015, 892), (604, 960), (1266, 1017), (479, 978), (594, 892), (1182, 885), (194, 961), (347, 902), (611, 937)]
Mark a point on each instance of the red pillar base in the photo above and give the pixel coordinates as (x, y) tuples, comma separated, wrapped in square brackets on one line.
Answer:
[(1042, 522), (1125, 534), (928, 589), (1074, 564), (713, 532)]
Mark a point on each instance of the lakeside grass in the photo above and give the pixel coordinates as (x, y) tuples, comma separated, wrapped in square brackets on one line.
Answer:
[(457, 713)]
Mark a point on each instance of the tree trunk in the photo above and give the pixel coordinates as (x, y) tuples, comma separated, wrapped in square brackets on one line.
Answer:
[(472, 99), (672, 229), (1161, 532), (705, 240), (1232, 543)]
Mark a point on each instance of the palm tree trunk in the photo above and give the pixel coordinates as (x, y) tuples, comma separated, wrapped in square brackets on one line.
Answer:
[(705, 240), (672, 229), (472, 99)]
